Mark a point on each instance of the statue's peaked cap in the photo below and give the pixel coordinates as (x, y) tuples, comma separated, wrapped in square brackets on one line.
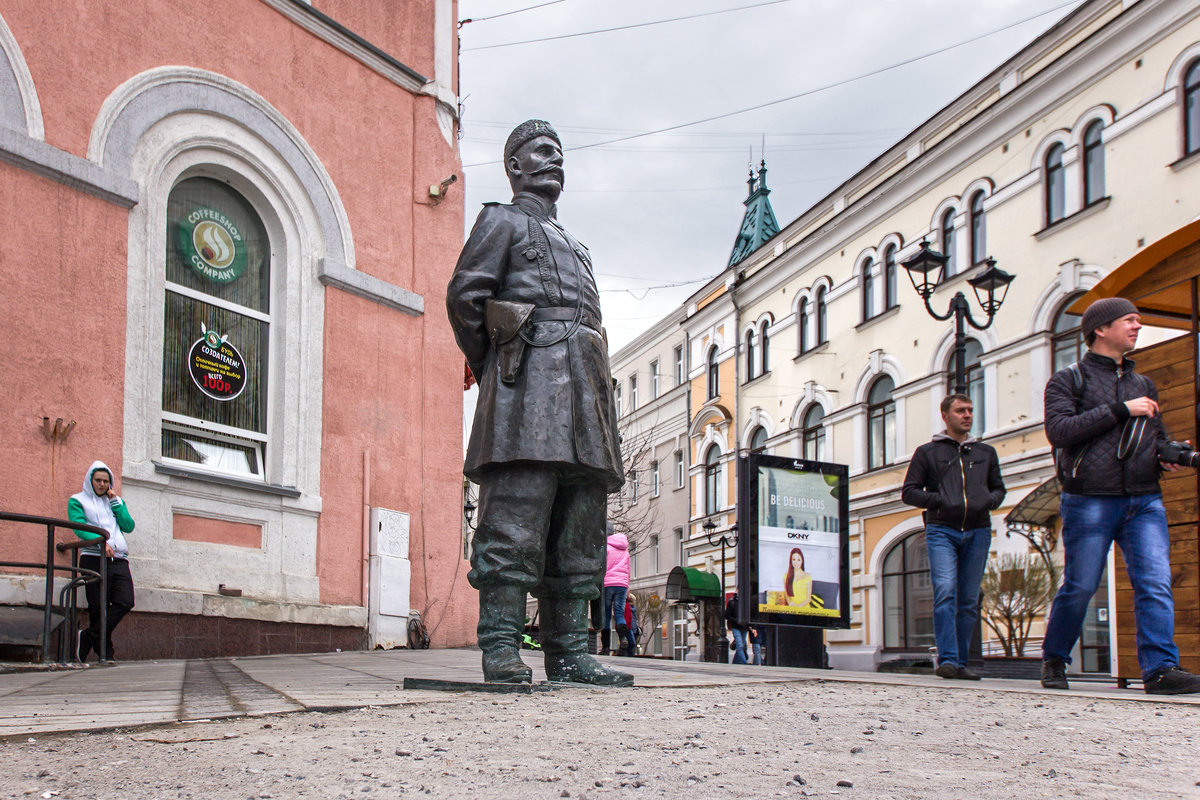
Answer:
[(527, 130)]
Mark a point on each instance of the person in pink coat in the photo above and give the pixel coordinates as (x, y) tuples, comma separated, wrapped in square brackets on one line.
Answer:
[(616, 586)]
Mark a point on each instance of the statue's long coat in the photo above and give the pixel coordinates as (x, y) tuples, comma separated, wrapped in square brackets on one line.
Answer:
[(560, 410)]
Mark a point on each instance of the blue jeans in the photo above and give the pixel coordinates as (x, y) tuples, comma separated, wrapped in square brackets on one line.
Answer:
[(956, 562), (739, 646), (614, 606), (1139, 526)]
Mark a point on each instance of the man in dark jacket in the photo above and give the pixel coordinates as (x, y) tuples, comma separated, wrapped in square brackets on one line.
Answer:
[(956, 479), (1103, 420), (738, 628), (544, 447)]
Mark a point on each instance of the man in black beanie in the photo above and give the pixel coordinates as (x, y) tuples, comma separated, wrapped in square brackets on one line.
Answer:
[(1103, 420)]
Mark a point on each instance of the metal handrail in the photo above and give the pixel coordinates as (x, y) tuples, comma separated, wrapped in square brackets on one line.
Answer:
[(50, 567)]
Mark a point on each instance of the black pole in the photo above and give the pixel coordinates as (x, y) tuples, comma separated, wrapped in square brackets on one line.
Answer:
[(959, 304)]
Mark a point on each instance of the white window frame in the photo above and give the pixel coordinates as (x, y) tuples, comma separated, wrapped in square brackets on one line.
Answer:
[(679, 371), (654, 379), (654, 478), (680, 472), (633, 392)]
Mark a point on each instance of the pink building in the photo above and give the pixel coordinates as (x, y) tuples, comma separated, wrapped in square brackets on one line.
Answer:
[(230, 227)]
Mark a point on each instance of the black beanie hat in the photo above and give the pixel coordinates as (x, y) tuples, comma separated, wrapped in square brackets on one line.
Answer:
[(1104, 311)]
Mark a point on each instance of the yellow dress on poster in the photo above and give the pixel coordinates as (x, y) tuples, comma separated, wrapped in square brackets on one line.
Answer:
[(798, 583)]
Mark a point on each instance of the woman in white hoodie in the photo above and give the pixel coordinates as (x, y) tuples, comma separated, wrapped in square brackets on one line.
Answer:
[(99, 505)]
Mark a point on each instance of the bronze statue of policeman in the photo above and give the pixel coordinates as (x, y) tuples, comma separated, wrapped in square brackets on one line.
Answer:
[(544, 447)]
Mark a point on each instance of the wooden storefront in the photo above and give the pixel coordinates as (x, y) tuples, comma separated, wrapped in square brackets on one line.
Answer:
[(1163, 281)]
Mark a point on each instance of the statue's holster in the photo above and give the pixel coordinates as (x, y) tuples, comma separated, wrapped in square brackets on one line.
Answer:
[(504, 320)]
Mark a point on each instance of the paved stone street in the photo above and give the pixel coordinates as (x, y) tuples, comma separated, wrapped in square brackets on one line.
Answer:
[(341, 725)]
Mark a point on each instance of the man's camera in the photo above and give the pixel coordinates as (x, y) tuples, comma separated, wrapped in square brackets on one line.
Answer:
[(1178, 453)]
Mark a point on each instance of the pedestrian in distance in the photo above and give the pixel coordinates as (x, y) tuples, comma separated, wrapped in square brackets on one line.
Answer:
[(738, 629), (1104, 422), (632, 631), (956, 479), (756, 647), (100, 505), (616, 587)]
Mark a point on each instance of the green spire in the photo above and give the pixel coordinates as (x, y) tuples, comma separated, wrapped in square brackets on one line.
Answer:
[(759, 224)]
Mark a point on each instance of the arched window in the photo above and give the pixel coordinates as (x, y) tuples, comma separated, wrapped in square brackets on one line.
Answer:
[(1067, 340), (907, 595), (1093, 163), (751, 356), (868, 290), (1056, 185), (890, 297), (714, 373), (978, 230), (1191, 109), (217, 321), (712, 472), (802, 322), (758, 440), (974, 375), (765, 345), (813, 433), (881, 423), (948, 246), (822, 318)]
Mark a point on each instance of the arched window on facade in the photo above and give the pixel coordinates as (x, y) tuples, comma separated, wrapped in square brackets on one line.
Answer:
[(1056, 185), (881, 423), (764, 339), (1093, 163), (802, 323), (712, 474), (975, 385), (714, 373), (217, 320), (812, 433), (751, 356), (907, 595), (890, 297), (758, 440), (1067, 341), (948, 244), (1191, 109), (868, 290), (978, 230), (822, 317)]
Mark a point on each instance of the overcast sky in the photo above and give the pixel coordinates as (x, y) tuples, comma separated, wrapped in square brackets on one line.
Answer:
[(665, 208)]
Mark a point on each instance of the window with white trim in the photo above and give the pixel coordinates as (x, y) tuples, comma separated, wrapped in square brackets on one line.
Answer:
[(654, 379), (680, 472), (654, 479), (216, 331), (678, 365), (1191, 109)]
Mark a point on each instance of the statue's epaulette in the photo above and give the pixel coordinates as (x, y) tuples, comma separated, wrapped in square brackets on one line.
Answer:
[(494, 203)]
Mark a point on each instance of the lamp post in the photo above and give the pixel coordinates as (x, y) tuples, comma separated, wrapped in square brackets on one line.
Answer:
[(727, 538), (925, 269)]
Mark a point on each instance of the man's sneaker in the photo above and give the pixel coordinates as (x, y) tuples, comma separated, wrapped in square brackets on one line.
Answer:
[(1173, 681), (1054, 674), (965, 674), (946, 670)]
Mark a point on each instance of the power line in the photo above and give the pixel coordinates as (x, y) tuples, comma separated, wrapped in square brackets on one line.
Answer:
[(462, 22), (619, 28), (809, 92)]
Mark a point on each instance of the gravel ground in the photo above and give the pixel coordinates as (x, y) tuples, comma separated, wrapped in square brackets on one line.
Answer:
[(807, 739)]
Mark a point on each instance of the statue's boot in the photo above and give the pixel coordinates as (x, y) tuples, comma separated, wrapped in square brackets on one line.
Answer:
[(564, 642), (501, 623)]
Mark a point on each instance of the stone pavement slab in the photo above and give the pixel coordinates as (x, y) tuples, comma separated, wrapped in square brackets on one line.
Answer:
[(161, 692)]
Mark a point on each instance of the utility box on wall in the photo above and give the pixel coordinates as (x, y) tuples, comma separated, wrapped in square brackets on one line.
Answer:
[(390, 575)]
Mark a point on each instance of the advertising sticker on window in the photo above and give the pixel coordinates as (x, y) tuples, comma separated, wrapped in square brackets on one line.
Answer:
[(212, 245), (216, 367)]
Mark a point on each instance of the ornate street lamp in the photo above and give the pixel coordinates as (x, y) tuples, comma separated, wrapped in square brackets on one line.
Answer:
[(727, 538), (925, 268)]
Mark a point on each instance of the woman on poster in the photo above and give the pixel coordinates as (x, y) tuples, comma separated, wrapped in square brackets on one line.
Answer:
[(797, 586)]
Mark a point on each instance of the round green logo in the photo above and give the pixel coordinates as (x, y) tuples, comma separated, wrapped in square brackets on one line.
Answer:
[(212, 245)]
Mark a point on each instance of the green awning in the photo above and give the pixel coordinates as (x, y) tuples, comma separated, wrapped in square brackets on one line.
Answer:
[(688, 584)]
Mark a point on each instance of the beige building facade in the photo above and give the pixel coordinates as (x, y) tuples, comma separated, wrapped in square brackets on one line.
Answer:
[(1060, 164)]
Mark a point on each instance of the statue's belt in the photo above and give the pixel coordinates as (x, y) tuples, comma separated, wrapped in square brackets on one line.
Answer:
[(566, 314)]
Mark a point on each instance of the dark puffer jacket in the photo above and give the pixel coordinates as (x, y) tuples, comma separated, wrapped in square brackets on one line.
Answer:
[(956, 484), (1086, 430)]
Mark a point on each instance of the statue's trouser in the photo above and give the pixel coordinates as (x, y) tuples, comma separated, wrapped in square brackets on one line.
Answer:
[(541, 531)]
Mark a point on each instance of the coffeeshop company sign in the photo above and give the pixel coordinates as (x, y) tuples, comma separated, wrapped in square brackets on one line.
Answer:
[(212, 245), (216, 367)]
